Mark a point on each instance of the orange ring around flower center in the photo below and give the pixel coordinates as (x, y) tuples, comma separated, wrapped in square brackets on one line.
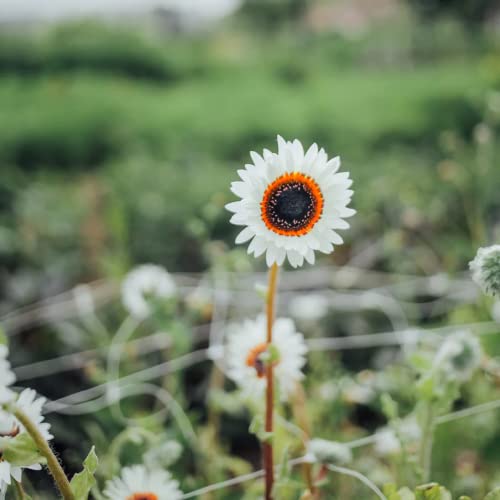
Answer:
[(303, 223), (143, 496)]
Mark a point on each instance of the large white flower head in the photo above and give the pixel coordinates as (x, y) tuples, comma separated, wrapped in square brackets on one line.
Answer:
[(7, 377), (292, 203), (10, 427), (486, 269), (143, 285), (247, 344), (139, 483)]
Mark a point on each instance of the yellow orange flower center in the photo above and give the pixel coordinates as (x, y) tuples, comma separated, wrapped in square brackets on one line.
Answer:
[(143, 496), (255, 361), (292, 204)]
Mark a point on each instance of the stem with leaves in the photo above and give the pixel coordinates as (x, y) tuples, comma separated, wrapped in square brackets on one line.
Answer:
[(43, 446), (267, 446)]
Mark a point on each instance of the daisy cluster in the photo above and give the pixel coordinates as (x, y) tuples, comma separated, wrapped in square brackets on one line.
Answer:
[(10, 427)]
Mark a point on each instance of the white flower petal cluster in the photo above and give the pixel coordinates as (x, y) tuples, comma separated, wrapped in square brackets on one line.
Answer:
[(246, 339), (137, 482), (486, 269), (7, 377), (292, 203), (11, 427), (459, 356), (143, 284), (309, 307)]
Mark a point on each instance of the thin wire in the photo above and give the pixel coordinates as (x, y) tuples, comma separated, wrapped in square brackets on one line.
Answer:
[(357, 475), (238, 480), (139, 376), (143, 345), (467, 412)]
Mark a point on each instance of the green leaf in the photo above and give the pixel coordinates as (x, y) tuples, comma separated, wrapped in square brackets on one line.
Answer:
[(493, 495), (257, 428), (389, 406), (432, 491), (3, 337), (82, 482), (406, 494), (22, 451)]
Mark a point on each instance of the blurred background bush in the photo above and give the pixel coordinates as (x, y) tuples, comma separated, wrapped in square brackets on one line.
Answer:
[(120, 131)]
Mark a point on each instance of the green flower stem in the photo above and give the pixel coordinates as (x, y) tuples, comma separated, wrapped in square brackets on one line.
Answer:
[(43, 446), (426, 443), (267, 446), (20, 494)]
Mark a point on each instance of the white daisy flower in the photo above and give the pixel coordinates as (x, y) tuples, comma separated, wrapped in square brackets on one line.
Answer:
[(7, 376), (246, 345), (139, 483), (291, 203), (143, 284), (486, 269), (10, 427)]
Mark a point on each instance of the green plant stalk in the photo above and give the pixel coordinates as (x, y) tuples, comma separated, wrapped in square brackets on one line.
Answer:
[(43, 446), (427, 443), (267, 446), (20, 494)]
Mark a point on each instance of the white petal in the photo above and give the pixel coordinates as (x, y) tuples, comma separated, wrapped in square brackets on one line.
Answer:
[(270, 256), (310, 256), (244, 236), (234, 206)]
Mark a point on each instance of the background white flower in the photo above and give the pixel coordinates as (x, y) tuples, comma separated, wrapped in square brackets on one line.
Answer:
[(7, 376), (247, 341), (292, 203), (486, 269), (459, 356), (11, 427), (137, 482), (143, 284)]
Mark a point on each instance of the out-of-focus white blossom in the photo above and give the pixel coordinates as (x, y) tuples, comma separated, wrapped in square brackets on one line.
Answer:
[(459, 356), (143, 285), (247, 346), (10, 427), (387, 441), (139, 483), (486, 269), (321, 450), (7, 376), (309, 307)]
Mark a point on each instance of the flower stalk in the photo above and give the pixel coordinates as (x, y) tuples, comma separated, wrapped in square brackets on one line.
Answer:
[(43, 446), (267, 446)]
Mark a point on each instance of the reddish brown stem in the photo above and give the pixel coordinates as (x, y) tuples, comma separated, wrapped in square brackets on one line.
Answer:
[(267, 447)]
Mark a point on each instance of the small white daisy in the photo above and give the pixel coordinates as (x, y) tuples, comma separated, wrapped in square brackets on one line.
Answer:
[(142, 285), (139, 483), (292, 203), (10, 427), (7, 377), (247, 343), (486, 269)]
